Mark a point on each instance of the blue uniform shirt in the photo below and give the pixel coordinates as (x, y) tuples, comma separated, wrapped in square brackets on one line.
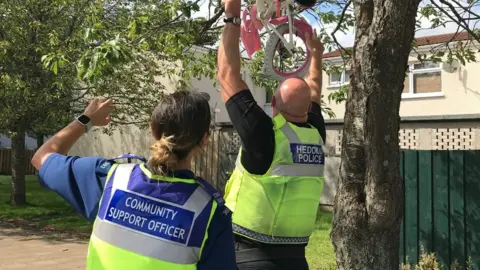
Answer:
[(80, 181)]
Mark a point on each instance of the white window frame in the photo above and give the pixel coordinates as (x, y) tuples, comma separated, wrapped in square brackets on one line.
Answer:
[(340, 83), (411, 74)]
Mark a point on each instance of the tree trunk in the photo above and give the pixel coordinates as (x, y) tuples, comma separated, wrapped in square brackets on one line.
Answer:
[(40, 140), (18, 169), (369, 201)]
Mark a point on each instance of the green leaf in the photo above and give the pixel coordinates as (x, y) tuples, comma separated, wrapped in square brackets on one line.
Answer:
[(55, 67)]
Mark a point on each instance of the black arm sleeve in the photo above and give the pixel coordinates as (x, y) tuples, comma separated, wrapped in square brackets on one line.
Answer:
[(315, 118), (255, 129)]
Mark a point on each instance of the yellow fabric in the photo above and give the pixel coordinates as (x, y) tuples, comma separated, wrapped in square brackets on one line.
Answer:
[(282, 206), (104, 256)]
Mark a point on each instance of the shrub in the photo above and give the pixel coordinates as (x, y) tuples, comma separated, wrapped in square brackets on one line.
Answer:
[(428, 261)]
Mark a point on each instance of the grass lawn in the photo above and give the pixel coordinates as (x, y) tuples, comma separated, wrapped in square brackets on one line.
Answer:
[(48, 211), (320, 250)]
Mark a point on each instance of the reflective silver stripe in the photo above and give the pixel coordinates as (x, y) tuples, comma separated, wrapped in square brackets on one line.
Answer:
[(290, 133), (315, 170), (144, 244), (269, 239), (237, 163), (196, 203), (122, 176)]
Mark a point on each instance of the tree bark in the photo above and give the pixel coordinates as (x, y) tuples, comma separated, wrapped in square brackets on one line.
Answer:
[(18, 196), (369, 201), (40, 140)]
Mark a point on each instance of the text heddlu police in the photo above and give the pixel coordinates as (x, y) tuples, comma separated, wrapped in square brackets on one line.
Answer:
[(309, 153), (142, 222)]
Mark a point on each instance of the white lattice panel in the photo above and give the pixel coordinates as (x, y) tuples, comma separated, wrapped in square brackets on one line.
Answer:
[(453, 138), (408, 139), (233, 143), (338, 142)]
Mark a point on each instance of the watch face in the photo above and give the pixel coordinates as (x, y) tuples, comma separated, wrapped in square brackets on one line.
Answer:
[(83, 119)]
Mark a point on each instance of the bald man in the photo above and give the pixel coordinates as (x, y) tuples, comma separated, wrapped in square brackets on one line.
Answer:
[(274, 191)]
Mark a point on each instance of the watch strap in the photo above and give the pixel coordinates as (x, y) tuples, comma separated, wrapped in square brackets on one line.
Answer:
[(234, 20), (84, 121)]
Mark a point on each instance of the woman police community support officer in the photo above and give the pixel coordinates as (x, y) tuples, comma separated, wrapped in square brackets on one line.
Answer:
[(156, 215)]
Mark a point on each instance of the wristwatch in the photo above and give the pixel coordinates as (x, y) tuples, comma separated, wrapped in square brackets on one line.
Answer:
[(235, 20), (84, 121)]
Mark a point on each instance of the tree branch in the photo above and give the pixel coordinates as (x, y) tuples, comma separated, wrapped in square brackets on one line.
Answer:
[(342, 15), (467, 9), (460, 21)]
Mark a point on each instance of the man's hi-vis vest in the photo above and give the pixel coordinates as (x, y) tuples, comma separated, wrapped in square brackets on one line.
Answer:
[(280, 207), (150, 222)]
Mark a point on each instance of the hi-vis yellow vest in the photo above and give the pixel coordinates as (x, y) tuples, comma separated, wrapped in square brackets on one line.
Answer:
[(280, 207), (147, 224)]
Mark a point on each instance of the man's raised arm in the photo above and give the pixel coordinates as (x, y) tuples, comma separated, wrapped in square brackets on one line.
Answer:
[(229, 53), (314, 77)]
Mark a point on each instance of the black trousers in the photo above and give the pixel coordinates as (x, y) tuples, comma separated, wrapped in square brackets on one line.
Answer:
[(255, 256)]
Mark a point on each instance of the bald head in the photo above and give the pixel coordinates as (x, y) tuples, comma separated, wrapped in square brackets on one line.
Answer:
[(292, 100)]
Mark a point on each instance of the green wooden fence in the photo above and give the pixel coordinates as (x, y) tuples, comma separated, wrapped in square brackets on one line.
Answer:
[(442, 206)]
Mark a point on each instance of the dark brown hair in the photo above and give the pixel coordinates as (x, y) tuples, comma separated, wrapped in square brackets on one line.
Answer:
[(178, 125)]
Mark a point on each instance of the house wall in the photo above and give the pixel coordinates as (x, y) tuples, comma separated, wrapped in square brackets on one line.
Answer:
[(216, 102), (460, 94)]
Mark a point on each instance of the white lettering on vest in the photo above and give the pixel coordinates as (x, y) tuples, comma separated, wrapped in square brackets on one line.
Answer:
[(307, 153), (149, 216), (166, 229), (150, 208)]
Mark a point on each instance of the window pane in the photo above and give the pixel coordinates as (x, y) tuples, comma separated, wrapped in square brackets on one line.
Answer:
[(406, 84), (427, 82), (426, 65), (268, 97), (335, 78), (347, 76)]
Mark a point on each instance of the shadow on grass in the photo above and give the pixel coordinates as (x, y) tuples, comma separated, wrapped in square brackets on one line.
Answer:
[(27, 232), (46, 216)]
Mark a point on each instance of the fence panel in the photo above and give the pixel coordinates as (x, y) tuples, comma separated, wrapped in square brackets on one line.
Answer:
[(217, 160), (425, 194), (472, 206), (6, 161), (442, 206), (411, 205)]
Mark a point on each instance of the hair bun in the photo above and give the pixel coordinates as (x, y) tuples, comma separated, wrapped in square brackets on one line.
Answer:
[(163, 156)]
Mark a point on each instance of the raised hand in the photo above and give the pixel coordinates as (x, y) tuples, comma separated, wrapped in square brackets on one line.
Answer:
[(99, 111), (314, 45)]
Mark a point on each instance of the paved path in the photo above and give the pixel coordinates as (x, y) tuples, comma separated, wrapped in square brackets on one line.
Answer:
[(21, 251)]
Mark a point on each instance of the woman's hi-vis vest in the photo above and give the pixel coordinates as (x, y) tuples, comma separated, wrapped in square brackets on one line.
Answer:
[(148, 222), (280, 207)]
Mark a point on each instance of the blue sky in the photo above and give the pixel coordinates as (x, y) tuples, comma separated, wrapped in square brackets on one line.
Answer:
[(347, 39)]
